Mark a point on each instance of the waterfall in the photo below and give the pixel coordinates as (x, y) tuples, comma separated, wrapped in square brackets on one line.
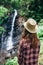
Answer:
[(2, 42), (9, 44)]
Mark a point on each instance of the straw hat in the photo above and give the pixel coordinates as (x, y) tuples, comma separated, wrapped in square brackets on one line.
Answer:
[(31, 25)]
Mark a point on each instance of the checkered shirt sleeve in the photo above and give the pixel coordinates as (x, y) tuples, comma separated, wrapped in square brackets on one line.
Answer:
[(20, 53)]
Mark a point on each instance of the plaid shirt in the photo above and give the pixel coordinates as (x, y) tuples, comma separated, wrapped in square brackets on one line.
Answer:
[(26, 54)]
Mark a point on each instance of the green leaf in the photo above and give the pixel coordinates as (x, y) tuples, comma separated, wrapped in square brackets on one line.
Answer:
[(12, 61), (2, 30)]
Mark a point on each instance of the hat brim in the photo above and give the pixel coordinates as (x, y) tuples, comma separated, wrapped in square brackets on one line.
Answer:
[(31, 31)]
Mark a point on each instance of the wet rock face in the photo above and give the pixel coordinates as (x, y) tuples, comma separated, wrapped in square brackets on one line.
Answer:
[(18, 28), (19, 25)]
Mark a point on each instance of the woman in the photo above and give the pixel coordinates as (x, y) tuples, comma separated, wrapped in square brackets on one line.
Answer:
[(29, 45)]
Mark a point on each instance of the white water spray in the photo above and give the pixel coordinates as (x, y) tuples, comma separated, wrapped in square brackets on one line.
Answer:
[(9, 41)]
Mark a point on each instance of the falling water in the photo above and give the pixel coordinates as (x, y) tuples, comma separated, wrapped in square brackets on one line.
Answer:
[(2, 42), (9, 40)]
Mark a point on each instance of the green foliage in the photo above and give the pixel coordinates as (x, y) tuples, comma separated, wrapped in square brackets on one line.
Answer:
[(31, 8), (40, 30), (41, 49), (23, 13), (41, 53), (28, 8), (40, 34), (2, 29), (41, 22), (3, 11), (12, 61), (3, 14), (1, 22)]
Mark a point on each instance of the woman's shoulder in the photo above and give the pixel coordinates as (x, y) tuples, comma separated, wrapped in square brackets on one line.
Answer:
[(24, 40)]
